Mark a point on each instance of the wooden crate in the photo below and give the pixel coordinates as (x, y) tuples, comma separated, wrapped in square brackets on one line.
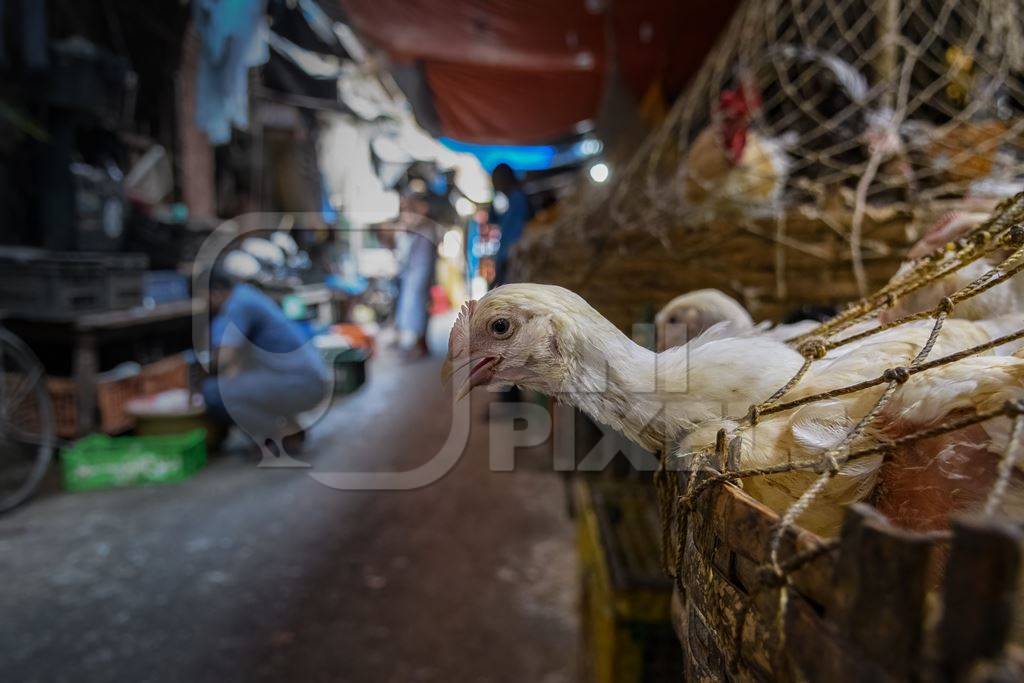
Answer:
[(888, 605), (625, 595)]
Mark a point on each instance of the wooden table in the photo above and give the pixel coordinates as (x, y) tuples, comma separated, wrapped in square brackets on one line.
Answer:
[(87, 333)]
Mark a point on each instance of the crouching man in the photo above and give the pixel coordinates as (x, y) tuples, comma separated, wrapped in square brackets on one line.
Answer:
[(266, 370)]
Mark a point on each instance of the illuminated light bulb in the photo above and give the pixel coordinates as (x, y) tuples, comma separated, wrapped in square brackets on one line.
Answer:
[(599, 172)]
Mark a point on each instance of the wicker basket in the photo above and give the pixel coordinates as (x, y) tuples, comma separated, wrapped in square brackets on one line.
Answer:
[(889, 605), (164, 375), (64, 395), (112, 397), (772, 266)]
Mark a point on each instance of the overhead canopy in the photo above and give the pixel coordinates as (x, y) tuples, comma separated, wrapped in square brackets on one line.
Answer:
[(531, 71)]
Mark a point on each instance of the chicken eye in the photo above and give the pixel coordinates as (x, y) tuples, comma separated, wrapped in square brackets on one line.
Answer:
[(500, 327)]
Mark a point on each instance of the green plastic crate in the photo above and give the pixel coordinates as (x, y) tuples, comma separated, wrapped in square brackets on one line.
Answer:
[(101, 461)]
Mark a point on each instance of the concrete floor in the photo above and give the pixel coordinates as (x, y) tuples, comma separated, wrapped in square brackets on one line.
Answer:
[(248, 574)]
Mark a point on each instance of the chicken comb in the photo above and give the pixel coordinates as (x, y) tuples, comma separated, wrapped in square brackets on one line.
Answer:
[(458, 340)]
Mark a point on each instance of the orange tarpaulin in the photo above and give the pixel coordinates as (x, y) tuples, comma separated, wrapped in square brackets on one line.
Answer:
[(523, 71), (524, 34), (514, 106)]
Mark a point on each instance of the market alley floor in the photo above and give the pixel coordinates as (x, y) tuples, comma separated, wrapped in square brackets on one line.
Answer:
[(249, 574)]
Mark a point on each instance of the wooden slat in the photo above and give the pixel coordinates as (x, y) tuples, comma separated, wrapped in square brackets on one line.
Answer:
[(704, 661), (881, 582), (721, 605), (818, 653), (813, 646), (747, 526), (980, 593)]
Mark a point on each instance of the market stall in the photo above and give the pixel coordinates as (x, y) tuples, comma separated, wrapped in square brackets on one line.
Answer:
[(725, 300)]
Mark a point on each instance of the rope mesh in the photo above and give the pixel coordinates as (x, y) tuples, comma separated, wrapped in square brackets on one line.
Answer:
[(837, 110), (838, 107), (1004, 231)]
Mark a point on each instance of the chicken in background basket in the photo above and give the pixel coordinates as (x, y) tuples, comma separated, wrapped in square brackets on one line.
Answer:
[(1004, 299), (730, 161), (690, 315)]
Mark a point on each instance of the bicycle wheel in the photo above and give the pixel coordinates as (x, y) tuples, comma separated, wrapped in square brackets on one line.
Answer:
[(27, 426)]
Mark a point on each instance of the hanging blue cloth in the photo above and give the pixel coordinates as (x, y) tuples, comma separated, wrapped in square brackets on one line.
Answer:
[(234, 39)]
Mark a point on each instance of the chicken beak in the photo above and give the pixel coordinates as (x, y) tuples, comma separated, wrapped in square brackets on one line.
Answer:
[(481, 371), (480, 374)]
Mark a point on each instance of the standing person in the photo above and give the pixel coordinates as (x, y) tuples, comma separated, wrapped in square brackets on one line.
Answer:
[(511, 221), (266, 371), (417, 258)]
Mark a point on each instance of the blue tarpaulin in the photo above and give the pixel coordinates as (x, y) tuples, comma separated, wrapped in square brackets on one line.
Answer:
[(527, 157)]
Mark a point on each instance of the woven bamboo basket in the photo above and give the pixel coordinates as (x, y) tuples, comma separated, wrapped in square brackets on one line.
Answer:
[(112, 397), (758, 598), (772, 265), (887, 605)]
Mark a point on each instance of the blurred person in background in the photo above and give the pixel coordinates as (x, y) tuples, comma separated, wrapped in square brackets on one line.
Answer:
[(511, 217), (265, 371), (417, 257)]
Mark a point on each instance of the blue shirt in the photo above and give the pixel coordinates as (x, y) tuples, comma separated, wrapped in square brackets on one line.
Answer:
[(512, 222), (254, 316)]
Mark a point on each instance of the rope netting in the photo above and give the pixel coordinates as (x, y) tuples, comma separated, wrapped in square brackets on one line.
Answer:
[(838, 107), (1000, 241)]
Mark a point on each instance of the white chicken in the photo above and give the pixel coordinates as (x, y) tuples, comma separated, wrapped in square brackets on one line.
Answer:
[(1003, 299), (549, 339), (691, 314)]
